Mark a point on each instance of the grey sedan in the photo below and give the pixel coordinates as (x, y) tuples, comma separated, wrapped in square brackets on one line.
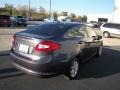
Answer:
[(52, 48)]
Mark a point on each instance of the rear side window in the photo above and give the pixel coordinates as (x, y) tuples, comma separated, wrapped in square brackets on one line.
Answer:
[(112, 25), (108, 25), (4, 17), (118, 26), (46, 30)]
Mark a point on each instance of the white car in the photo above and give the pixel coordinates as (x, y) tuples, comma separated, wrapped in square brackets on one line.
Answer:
[(89, 24), (110, 29), (51, 19)]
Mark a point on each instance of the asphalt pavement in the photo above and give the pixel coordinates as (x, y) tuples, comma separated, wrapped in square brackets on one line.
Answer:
[(101, 73)]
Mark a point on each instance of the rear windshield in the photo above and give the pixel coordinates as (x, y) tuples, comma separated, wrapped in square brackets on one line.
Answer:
[(46, 30)]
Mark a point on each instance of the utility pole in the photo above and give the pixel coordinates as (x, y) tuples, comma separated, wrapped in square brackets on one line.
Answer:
[(29, 11), (50, 9)]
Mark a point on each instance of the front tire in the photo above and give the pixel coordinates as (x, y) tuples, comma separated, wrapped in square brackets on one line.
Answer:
[(99, 53), (73, 70)]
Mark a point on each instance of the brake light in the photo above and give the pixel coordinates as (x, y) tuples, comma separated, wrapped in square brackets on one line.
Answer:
[(47, 46)]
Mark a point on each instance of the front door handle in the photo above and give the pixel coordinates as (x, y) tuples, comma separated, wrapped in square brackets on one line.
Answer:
[(80, 42)]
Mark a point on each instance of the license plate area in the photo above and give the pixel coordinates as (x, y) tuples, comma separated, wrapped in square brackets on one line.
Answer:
[(23, 48)]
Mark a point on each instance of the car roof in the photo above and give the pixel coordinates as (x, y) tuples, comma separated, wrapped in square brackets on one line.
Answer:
[(64, 24), (111, 23)]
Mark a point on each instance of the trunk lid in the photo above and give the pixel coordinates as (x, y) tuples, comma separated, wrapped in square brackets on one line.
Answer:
[(25, 44)]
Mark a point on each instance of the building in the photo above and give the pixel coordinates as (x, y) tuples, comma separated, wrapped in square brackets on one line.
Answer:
[(116, 14), (99, 17), (113, 17)]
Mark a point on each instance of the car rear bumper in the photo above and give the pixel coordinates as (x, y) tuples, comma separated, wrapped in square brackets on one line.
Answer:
[(38, 69), (28, 71)]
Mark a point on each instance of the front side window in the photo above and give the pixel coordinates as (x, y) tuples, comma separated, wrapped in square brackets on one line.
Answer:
[(77, 32), (91, 32), (112, 25)]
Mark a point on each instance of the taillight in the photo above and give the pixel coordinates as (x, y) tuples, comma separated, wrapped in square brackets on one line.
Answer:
[(47, 46)]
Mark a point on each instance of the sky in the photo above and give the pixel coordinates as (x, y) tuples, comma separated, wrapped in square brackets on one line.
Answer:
[(79, 7)]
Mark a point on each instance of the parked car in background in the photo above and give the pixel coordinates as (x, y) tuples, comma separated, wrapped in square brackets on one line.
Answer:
[(52, 48), (13, 21), (50, 19), (5, 20), (110, 29), (89, 24), (94, 24), (19, 20), (64, 19)]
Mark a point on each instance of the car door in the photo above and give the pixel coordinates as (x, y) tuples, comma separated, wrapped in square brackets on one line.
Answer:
[(85, 44), (115, 29), (107, 27), (73, 42), (92, 42), (82, 41)]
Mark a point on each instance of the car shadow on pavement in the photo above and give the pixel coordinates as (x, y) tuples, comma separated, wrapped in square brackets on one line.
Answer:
[(9, 72), (106, 65), (4, 53), (6, 69)]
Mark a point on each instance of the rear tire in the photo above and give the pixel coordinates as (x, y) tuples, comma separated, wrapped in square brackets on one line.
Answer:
[(106, 34), (73, 70)]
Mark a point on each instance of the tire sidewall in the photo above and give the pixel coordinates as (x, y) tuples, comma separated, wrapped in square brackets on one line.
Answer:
[(106, 34), (68, 74)]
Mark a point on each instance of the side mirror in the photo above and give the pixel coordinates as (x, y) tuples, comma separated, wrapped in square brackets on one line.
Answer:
[(97, 37)]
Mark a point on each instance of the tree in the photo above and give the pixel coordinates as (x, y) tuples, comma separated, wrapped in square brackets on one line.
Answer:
[(22, 10), (55, 15), (72, 16), (42, 10), (8, 9), (84, 19), (15, 12), (78, 18), (64, 13), (42, 13)]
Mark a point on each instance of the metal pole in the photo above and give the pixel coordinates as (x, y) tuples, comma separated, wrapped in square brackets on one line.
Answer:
[(29, 11), (50, 9)]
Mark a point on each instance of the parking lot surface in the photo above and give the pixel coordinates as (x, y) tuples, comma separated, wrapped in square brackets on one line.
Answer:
[(101, 73)]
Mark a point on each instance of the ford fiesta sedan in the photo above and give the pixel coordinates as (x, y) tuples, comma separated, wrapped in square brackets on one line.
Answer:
[(52, 48)]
